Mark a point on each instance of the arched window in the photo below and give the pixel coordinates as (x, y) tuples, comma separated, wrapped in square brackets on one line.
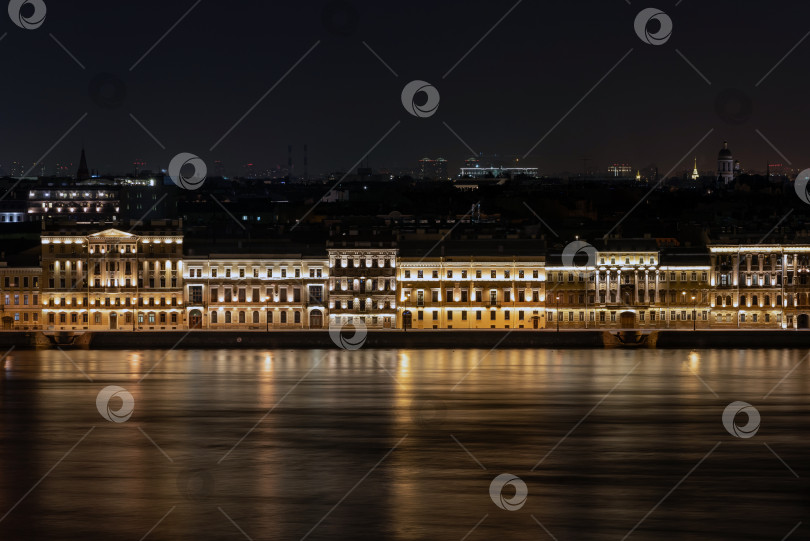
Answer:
[(255, 317), (214, 317), (241, 316), (718, 301), (743, 300), (754, 300), (227, 317), (728, 300), (779, 300), (767, 300)]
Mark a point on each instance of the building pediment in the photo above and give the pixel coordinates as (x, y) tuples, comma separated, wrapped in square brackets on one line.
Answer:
[(112, 233)]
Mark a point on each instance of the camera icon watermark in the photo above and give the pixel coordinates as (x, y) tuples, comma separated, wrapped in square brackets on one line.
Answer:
[(428, 411), (431, 104), (642, 26), (120, 415), (340, 17), (353, 342), (496, 488), (196, 179), (579, 254), (750, 428), (107, 90), (32, 21), (733, 106), (800, 185)]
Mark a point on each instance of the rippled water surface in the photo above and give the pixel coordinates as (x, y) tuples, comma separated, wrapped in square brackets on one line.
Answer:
[(403, 444)]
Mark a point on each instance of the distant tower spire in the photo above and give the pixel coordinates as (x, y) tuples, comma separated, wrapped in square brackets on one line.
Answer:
[(695, 174), (83, 173)]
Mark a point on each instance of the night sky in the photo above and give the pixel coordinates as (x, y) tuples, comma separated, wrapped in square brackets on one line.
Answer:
[(340, 100)]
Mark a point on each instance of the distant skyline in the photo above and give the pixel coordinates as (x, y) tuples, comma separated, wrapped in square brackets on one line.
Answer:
[(578, 78)]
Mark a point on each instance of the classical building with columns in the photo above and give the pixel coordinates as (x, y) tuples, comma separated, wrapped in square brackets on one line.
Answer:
[(629, 284)]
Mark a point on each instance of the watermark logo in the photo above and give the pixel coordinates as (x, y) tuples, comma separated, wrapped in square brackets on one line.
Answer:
[(353, 342), (579, 254), (428, 411), (187, 182), (196, 483), (733, 106), (750, 428), (801, 185), (340, 17), (426, 109), (32, 21), (107, 91), (642, 26), (496, 492), (121, 415)]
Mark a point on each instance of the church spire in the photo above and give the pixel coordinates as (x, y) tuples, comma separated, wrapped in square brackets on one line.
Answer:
[(83, 172), (695, 173)]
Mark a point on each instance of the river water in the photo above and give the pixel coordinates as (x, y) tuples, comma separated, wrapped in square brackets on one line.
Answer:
[(404, 445)]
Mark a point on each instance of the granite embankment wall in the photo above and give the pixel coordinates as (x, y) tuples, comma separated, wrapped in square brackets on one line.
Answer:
[(453, 339)]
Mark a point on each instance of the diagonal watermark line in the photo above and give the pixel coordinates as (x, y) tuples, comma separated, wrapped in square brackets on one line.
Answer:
[(477, 524), (3, 36), (773, 146), (782, 60), (286, 73), (234, 523), (472, 456), (158, 522), (586, 416), (796, 527), (673, 489), (70, 129), (280, 400), (535, 518), (481, 360), (71, 55), (335, 185), (355, 486), (30, 490), (441, 240), (796, 475), (384, 63), (463, 142), (155, 139), (786, 376), (68, 357), (768, 234), (663, 178), (701, 379), (229, 213), (571, 110), (539, 218), (156, 445), (165, 34), (482, 38), (693, 67), (3, 358)]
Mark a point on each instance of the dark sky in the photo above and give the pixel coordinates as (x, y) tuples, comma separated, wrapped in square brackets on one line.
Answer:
[(519, 81)]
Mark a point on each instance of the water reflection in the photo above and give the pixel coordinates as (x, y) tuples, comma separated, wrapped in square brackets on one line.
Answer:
[(271, 441)]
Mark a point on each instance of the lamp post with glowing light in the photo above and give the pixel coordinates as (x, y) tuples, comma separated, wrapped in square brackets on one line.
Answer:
[(558, 313), (694, 313), (683, 297)]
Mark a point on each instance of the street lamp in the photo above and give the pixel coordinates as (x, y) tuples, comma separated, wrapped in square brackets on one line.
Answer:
[(694, 313), (683, 297), (558, 313)]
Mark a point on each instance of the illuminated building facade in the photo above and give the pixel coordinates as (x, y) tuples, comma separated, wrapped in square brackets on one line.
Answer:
[(471, 293), (629, 289), (256, 292), (112, 280), (363, 283), (19, 298), (140, 280)]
